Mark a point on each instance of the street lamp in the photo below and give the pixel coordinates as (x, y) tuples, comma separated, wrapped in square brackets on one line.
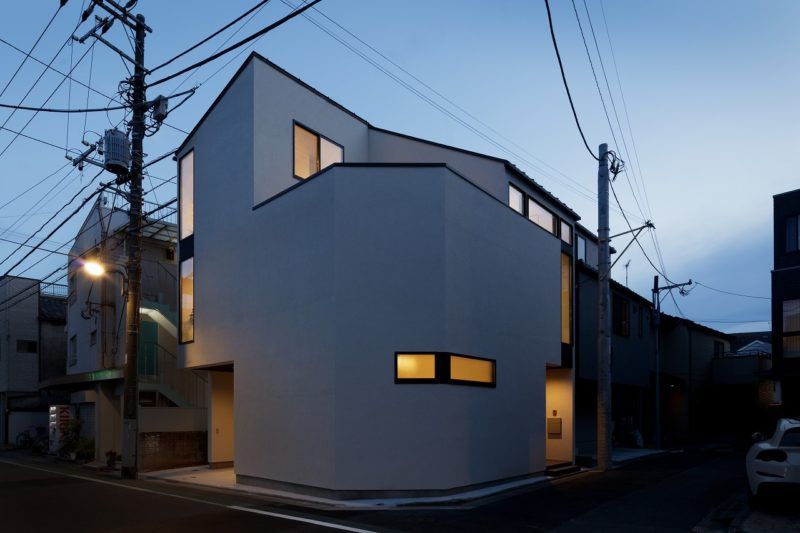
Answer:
[(94, 269)]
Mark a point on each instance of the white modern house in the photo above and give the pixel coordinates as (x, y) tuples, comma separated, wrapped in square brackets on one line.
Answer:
[(378, 314), (172, 401)]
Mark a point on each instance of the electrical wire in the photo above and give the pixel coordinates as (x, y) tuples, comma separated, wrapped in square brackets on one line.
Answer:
[(236, 45), (205, 40), (62, 110), (566, 85), (732, 293)]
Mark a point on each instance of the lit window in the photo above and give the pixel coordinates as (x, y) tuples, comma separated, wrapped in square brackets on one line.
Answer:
[(313, 153), (541, 216), (516, 199), (416, 366), (187, 300), (566, 299), (471, 369), (566, 232), (581, 249), (791, 328), (441, 367), (186, 211)]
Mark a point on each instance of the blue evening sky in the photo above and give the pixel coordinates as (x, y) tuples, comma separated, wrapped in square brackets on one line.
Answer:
[(710, 89)]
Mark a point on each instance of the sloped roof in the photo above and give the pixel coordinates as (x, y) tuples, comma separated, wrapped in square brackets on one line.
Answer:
[(255, 55), (755, 347)]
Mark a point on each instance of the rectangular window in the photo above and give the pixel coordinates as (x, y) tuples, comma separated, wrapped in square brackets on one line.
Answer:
[(442, 367), (471, 369), (186, 211), (516, 199), (73, 351), (621, 316), (27, 346), (416, 366), (312, 152), (792, 233), (187, 300), (566, 232), (641, 321), (581, 249), (541, 216), (566, 299), (791, 328)]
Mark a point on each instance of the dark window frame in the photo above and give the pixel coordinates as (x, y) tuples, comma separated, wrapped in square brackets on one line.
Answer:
[(580, 239), (790, 247), (621, 316), (524, 196), (24, 345), (442, 370), (181, 340), (296, 123)]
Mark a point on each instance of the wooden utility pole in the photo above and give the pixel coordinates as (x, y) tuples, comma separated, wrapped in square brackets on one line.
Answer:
[(603, 317)]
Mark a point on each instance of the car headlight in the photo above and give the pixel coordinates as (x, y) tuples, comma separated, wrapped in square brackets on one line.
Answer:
[(772, 455)]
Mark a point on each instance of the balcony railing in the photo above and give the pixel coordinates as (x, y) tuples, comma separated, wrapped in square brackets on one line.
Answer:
[(159, 366), (53, 289)]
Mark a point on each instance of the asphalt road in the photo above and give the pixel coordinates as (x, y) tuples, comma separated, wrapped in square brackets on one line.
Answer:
[(671, 493)]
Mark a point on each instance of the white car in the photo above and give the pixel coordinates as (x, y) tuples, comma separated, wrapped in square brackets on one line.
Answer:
[(775, 461)]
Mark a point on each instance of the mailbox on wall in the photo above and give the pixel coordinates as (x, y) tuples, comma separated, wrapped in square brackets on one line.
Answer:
[(553, 428)]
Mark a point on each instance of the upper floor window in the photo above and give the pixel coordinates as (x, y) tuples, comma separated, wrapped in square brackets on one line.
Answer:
[(791, 328), (792, 233), (541, 216), (566, 232), (566, 299), (581, 249), (313, 152), (516, 199), (438, 367), (73, 351), (186, 211), (187, 300), (622, 316)]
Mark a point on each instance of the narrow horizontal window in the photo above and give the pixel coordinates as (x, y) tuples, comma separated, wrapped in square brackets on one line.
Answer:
[(416, 366), (442, 367), (27, 346), (471, 369), (541, 216)]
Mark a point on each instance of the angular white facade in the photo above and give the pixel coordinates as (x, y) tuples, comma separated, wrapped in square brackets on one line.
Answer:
[(304, 290)]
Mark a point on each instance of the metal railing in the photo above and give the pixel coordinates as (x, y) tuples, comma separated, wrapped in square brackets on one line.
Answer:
[(53, 289), (159, 366), (161, 213)]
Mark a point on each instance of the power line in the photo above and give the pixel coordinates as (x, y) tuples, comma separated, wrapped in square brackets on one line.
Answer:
[(205, 40), (566, 85), (234, 46), (62, 110), (733, 293)]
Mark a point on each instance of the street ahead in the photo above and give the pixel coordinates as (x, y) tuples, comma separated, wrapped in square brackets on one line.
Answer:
[(671, 493)]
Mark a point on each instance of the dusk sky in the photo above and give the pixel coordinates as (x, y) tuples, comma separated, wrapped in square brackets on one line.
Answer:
[(710, 90)]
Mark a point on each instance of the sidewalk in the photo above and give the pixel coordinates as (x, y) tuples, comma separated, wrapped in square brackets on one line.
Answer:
[(225, 479)]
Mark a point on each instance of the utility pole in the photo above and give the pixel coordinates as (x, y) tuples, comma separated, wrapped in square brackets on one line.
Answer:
[(657, 324), (130, 436), (604, 317)]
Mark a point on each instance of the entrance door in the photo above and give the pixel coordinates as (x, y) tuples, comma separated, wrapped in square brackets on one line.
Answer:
[(559, 425)]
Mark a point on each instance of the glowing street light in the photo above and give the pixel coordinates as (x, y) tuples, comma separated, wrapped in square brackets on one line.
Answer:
[(94, 269)]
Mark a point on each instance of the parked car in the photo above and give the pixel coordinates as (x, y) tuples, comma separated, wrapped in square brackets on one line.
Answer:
[(774, 461)]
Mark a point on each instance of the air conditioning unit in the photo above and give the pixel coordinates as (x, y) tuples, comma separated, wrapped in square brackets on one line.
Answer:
[(117, 152)]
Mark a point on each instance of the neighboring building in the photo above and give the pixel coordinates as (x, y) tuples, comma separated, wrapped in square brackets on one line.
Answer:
[(378, 314), (632, 345), (172, 401), (32, 345), (688, 350), (786, 299)]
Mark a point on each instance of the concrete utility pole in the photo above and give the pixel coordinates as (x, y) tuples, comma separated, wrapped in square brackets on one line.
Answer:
[(130, 430), (657, 324), (604, 317)]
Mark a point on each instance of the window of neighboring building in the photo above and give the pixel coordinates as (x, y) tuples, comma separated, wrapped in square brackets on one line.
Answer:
[(541, 216), (566, 299), (186, 211), (566, 232), (791, 328), (73, 351), (442, 367), (24, 346), (581, 242), (187, 300), (93, 338), (313, 152), (516, 199), (793, 233), (621, 316)]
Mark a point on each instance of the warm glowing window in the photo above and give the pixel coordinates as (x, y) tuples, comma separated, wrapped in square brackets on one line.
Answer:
[(566, 232), (566, 299), (541, 216), (516, 199), (313, 152), (187, 300), (442, 367), (186, 211), (416, 366), (471, 369)]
